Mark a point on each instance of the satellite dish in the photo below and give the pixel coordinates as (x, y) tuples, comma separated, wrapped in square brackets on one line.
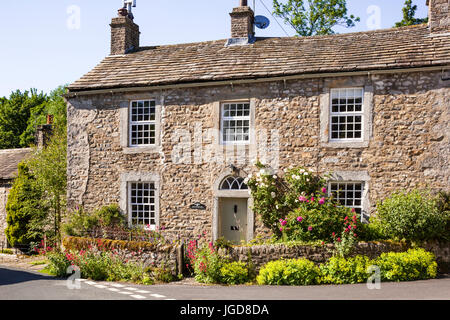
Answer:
[(262, 22)]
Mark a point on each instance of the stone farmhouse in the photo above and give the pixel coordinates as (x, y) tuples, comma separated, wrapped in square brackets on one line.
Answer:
[(169, 132)]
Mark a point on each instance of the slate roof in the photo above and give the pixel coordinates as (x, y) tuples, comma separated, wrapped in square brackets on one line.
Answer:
[(9, 159), (270, 57)]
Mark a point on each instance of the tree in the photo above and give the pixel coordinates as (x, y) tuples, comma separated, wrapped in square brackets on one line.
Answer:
[(409, 12), (24, 203), (14, 116), (317, 18), (49, 167)]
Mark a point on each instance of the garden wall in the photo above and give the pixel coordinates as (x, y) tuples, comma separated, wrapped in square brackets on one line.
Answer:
[(150, 254), (261, 254)]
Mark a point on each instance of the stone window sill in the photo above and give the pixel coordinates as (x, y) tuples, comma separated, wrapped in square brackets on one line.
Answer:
[(134, 150), (346, 144)]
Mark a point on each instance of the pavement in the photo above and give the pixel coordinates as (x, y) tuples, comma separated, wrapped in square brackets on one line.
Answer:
[(20, 284)]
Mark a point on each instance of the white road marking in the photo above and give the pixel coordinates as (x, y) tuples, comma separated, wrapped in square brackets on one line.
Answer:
[(125, 292), (170, 299), (113, 289), (155, 295), (136, 296), (117, 285), (91, 283), (143, 291), (130, 288), (100, 286), (82, 280)]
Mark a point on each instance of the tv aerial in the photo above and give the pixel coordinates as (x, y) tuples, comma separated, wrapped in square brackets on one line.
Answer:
[(262, 22), (128, 4)]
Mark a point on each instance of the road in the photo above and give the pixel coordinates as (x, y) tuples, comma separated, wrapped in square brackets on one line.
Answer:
[(18, 284)]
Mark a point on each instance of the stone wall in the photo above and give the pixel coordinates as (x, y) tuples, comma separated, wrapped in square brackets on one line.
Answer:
[(158, 255), (408, 145), (5, 186), (261, 254)]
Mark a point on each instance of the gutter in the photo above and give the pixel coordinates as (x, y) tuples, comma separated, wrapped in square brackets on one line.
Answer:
[(256, 80)]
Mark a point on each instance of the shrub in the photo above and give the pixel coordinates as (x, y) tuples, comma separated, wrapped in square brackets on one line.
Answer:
[(23, 204), (234, 273), (411, 216), (6, 251), (339, 270), (289, 272), (372, 231), (415, 264)]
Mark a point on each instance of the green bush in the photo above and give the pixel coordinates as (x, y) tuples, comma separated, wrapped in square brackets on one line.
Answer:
[(234, 273), (372, 231), (289, 272), (411, 216), (415, 264), (81, 221), (339, 270), (109, 216)]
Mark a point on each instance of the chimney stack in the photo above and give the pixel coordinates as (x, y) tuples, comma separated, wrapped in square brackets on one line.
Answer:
[(124, 33), (242, 22), (439, 16)]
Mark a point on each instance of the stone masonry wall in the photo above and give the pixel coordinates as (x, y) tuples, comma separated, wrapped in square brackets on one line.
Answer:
[(261, 254), (5, 185), (408, 147)]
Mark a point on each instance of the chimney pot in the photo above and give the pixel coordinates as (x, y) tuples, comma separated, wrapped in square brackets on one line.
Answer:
[(123, 12), (243, 3)]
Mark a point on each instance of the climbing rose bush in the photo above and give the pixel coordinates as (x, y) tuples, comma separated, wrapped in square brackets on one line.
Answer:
[(318, 217), (274, 196)]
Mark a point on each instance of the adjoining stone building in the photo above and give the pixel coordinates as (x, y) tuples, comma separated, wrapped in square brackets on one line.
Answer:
[(168, 132)]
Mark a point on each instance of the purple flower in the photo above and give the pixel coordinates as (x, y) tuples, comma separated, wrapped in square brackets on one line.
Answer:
[(299, 219)]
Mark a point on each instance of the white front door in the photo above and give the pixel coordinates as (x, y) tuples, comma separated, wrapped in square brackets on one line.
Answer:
[(233, 219)]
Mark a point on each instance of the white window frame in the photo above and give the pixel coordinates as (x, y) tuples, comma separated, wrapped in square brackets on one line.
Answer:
[(361, 207), (346, 114), (235, 118), (154, 204), (149, 122)]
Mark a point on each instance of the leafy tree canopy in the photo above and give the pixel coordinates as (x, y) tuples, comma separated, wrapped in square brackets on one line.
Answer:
[(409, 12), (316, 17), (22, 112)]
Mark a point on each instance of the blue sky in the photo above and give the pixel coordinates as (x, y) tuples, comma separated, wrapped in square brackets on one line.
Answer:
[(44, 46)]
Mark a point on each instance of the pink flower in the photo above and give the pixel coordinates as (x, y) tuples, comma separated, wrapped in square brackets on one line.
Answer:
[(312, 199), (353, 209), (302, 199), (338, 239), (322, 201), (299, 219), (309, 228), (324, 190), (283, 222), (281, 229), (333, 234)]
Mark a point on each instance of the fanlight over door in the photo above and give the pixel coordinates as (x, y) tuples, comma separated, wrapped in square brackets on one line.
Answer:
[(233, 183)]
